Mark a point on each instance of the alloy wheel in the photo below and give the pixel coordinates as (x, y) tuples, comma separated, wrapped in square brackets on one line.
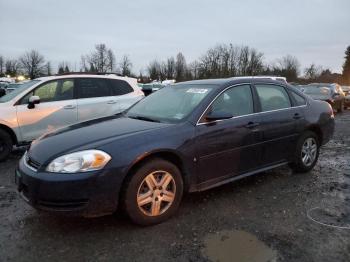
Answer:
[(309, 151), (156, 193)]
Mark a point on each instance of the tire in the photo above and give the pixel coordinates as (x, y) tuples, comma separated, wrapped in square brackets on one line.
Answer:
[(341, 107), (300, 164), (6, 145), (155, 205)]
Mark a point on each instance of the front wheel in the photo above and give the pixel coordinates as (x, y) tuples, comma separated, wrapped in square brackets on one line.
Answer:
[(307, 151), (6, 145), (153, 193)]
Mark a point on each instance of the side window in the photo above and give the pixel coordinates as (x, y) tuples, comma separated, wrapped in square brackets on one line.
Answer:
[(120, 87), (52, 91), (237, 100), (272, 97), (300, 101), (93, 87), (47, 92)]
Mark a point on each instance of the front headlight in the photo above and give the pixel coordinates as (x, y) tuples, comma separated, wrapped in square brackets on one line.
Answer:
[(82, 161)]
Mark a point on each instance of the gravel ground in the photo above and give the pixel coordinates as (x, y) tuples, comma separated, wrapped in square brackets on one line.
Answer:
[(280, 216)]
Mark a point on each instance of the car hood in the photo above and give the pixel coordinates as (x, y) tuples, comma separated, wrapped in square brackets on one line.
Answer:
[(87, 135)]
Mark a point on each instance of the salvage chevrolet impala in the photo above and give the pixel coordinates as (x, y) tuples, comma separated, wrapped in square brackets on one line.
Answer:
[(188, 137)]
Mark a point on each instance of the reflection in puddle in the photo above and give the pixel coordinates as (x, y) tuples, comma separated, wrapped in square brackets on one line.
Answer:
[(237, 246)]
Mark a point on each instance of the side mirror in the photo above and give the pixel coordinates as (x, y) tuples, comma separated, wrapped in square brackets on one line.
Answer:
[(33, 100), (218, 115)]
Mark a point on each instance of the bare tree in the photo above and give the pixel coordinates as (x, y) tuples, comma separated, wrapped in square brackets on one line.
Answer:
[(125, 65), (313, 72), (154, 70), (288, 66), (12, 67), (228, 61), (84, 64), (2, 65), (102, 59), (180, 67), (63, 67), (32, 63), (170, 68), (110, 60)]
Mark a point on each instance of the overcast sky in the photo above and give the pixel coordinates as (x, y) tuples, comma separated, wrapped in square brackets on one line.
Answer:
[(315, 31)]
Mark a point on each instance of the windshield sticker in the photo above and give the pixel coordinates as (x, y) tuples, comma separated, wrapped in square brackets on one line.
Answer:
[(197, 91)]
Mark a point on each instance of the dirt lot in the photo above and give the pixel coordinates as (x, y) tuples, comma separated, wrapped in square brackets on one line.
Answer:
[(273, 216)]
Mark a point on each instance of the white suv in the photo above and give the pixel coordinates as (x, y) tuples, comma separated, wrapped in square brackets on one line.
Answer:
[(45, 104)]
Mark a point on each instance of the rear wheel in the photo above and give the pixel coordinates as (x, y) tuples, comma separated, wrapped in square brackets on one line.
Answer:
[(307, 152), (6, 145), (153, 193)]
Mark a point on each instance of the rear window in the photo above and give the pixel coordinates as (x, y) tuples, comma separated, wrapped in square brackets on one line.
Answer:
[(93, 87), (272, 97), (120, 87)]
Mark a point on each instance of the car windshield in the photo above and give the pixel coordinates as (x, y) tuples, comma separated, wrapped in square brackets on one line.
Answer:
[(171, 104), (317, 90), (18, 90)]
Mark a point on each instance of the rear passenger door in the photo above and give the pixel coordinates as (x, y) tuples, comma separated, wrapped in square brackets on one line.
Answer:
[(278, 123), (95, 98)]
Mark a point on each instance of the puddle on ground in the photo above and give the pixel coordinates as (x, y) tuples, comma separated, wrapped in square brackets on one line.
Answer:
[(237, 246)]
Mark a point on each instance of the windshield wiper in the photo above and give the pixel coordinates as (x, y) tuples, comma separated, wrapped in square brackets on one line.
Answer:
[(145, 118)]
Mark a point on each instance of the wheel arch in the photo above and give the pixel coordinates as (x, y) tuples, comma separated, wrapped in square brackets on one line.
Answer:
[(318, 131), (10, 132), (166, 154)]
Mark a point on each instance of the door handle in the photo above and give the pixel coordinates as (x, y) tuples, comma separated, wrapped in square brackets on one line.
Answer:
[(111, 102), (69, 107), (252, 125), (296, 116)]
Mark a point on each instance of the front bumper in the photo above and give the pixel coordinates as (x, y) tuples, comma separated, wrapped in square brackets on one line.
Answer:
[(87, 194)]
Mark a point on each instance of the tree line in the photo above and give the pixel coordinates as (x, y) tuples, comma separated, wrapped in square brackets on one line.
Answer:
[(220, 61)]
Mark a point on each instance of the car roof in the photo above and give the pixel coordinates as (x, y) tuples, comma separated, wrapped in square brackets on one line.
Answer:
[(45, 78), (235, 80), (132, 81)]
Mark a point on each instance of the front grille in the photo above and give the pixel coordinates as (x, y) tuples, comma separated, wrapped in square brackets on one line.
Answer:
[(31, 163)]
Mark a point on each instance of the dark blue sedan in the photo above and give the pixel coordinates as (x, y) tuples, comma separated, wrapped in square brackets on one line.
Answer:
[(188, 137)]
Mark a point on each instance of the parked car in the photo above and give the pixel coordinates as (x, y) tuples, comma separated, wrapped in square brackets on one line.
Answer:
[(151, 87), (48, 103), (331, 93), (346, 90), (11, 87), (189, 137), (2, 91), (3, 85)]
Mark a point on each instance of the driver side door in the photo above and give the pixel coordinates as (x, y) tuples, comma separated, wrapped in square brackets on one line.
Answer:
[(57, 109), (229, 147)]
